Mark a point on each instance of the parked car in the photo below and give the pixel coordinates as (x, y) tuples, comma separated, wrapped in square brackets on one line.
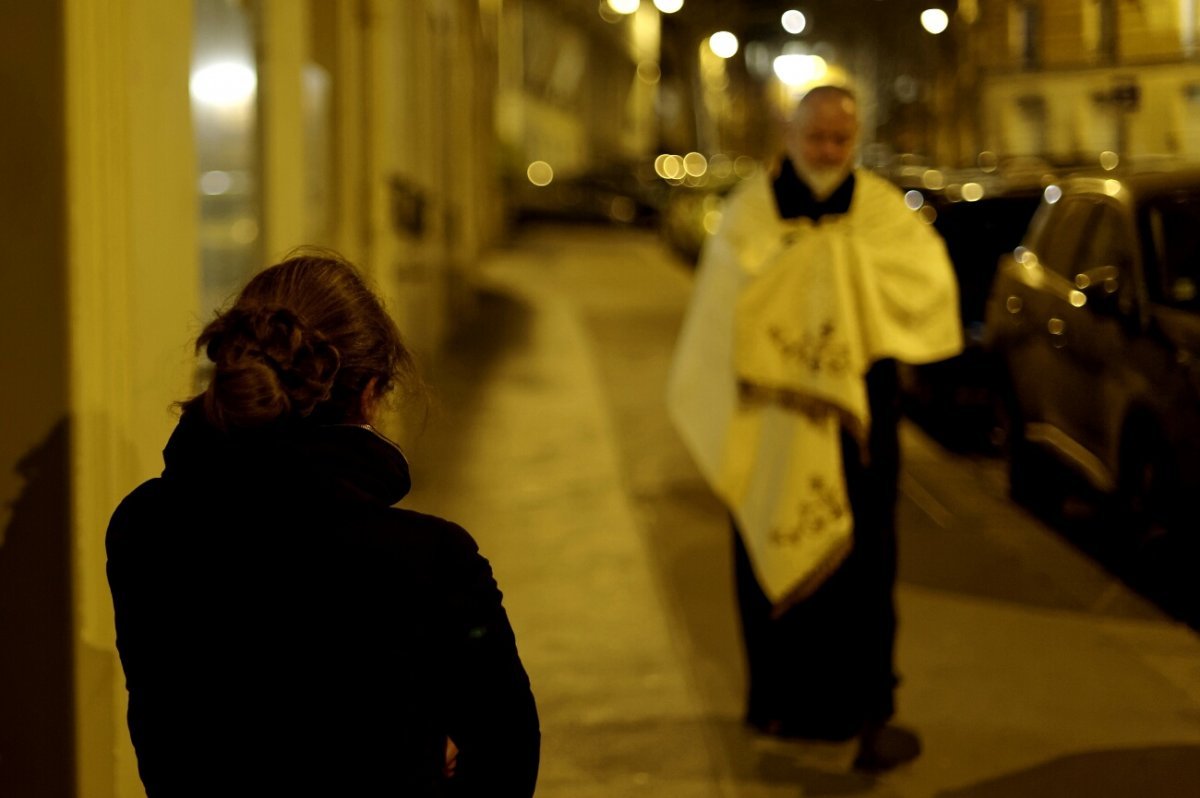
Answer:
[(981, 216), (609, 193), (1096, 319), (690, 215)]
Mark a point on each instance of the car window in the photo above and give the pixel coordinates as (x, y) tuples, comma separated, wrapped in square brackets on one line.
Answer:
[(1172, 224), (977, 234), (1107, 242), (1057, 247)]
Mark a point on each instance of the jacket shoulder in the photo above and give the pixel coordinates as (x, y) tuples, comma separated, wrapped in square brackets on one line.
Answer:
[(145, 500), (440, 548), (440, 532)]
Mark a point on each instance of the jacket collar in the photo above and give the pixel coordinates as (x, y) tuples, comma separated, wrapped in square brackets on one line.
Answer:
[(346, 461)]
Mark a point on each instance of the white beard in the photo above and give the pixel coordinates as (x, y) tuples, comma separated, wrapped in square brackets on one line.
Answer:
[(822, 182)]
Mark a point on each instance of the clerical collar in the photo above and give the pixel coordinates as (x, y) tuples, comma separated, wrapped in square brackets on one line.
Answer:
[(795, 199)]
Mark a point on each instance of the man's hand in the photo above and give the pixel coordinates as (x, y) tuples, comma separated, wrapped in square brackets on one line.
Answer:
[(451, 758)]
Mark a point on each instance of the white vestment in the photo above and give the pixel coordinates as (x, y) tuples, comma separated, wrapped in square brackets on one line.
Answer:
[(785, 319)]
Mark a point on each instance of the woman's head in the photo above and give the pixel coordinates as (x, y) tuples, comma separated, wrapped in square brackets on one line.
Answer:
[(306, 341)]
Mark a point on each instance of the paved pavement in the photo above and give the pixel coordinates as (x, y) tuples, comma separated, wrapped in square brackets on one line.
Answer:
[(1027, 670)]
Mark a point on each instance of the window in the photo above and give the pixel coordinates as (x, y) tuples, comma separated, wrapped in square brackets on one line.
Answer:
[(1106, 44), (225, 118), (1172, 227), (1107, 242), (1024, 18), (1057, 247)]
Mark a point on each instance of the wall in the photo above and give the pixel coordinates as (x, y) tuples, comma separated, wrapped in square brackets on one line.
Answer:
[(1064, 110), (36, 697), (100, 278), (98, 291)]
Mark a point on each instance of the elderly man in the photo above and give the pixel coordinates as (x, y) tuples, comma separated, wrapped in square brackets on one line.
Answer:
[(784, 389)]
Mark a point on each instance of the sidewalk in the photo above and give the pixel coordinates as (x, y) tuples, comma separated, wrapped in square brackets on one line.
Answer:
[(1027, 671), (523, 456)]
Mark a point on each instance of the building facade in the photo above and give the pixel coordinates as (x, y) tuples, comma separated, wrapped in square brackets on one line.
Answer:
[(157, 154), (1069, 79)]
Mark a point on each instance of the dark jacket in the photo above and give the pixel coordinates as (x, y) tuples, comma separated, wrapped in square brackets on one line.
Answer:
[(285, 631)]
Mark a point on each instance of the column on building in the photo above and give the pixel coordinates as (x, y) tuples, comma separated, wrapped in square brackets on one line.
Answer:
[(98, 297)]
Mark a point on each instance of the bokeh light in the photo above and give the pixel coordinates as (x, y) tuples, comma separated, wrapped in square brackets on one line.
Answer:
[(723, 44), (225, 84), (540, 173), (972, 192), (668, 6), (216, 182), (670, 167), (745, 166), (794, 21), (796, 70), (712, 222), (934, 20), (624, 6), (720, 166), (649, 72)]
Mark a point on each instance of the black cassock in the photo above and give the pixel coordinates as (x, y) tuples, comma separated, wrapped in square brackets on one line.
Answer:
[(825, 668)]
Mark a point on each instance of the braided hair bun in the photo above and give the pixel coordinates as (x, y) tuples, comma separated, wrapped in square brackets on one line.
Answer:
[(267, 365), (302, 343)]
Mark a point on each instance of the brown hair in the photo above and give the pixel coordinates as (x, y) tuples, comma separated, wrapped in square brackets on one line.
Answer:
[(302, 343)]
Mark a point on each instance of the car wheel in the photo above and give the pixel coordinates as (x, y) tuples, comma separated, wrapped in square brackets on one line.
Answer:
[(1032, 480), (1145, 484), (1155, 533)]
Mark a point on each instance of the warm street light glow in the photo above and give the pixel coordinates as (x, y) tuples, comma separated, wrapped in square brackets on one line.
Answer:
[(712, 222), (670, 167), (723, 44), (745, 166), (624, 6), (216, 182), (668, 6), (796, 70), (972, 192), (225, 84), (794, 21), (649, 72), (934, 20), (540, 173), (720, 166)]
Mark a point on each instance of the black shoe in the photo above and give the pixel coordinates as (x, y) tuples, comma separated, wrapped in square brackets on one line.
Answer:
[(884, 747)]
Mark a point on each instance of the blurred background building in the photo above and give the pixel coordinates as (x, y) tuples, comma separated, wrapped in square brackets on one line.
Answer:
[(158, 152), (1066, 79)]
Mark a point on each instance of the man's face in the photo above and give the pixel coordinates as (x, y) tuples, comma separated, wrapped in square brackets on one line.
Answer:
[(823, 134)]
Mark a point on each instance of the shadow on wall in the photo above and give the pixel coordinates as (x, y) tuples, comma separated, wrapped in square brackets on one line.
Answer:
[(36, 683), (1160, 772)]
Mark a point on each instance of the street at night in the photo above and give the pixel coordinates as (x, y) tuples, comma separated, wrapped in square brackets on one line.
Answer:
[(1027, 669), (819, 381)]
